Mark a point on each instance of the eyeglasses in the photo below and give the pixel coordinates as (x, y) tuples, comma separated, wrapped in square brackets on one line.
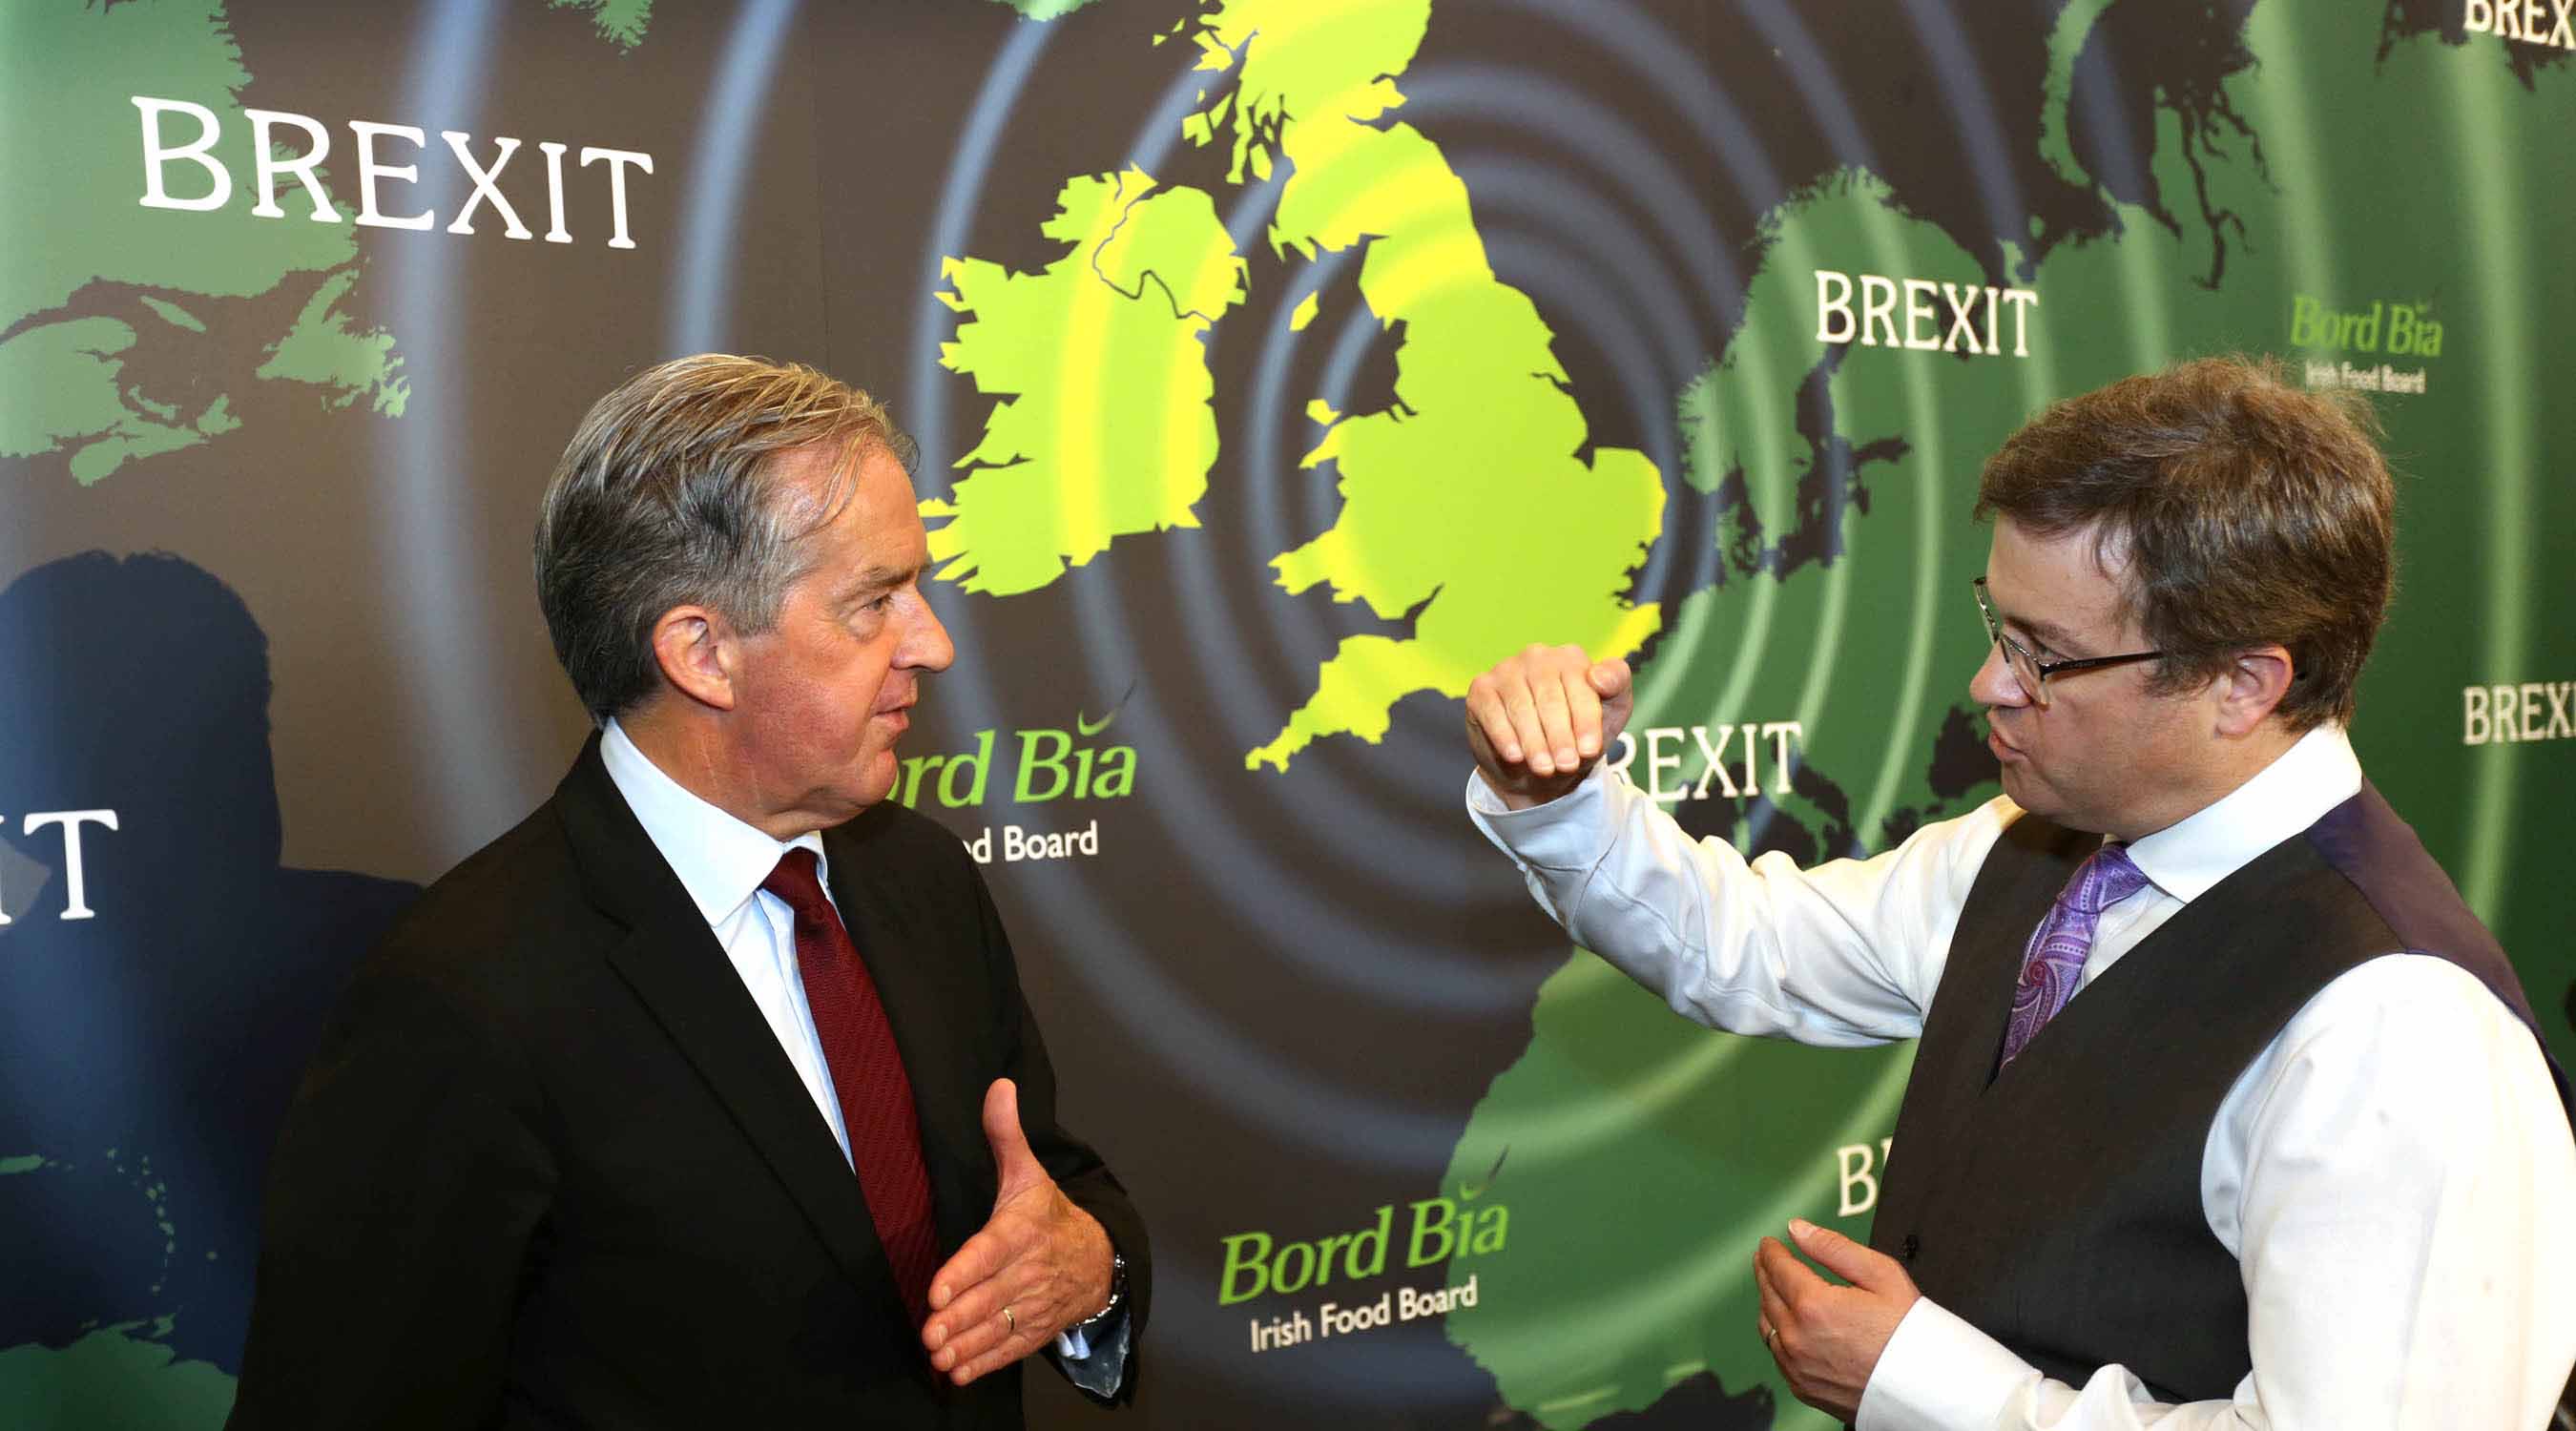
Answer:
[(2032, 672)]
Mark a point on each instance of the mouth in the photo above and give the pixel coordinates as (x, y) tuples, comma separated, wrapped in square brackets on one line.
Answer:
[(2004, 750)]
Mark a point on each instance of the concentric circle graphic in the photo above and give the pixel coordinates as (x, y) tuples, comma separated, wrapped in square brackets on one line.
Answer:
[(1336, 348), (1634, 185)]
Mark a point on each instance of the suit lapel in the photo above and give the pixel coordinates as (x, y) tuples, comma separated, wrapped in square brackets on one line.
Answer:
[(920, 971), (669, 957)]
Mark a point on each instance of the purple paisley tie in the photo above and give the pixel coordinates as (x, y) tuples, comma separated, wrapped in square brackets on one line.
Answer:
[(2055, 960)]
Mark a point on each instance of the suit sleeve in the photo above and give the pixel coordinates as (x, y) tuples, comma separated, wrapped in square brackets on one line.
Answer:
[(407, 1184), (1076, 1168)]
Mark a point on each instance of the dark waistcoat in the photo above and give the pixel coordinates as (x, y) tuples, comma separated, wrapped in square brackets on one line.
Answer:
[(2057, 1206)]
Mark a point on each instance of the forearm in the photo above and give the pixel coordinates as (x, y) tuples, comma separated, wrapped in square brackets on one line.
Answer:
[(1844, 954)]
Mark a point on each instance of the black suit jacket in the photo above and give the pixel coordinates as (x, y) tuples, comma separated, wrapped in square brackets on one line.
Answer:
[(551, 1168)]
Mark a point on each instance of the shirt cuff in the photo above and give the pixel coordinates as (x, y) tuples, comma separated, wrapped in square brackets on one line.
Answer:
[(1095, 1358), (1570, 832), (1938, 1373)]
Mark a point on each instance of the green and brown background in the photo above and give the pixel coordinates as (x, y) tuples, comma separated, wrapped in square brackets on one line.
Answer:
[(1277, 364)]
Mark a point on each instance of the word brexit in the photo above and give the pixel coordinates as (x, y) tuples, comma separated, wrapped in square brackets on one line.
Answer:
[(272, 160), (2530, 711), (1968, 318), (2529, 21), (75, 868)]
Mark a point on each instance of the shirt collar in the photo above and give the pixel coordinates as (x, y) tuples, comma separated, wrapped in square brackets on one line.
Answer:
[(2313, 776), (719, 859)]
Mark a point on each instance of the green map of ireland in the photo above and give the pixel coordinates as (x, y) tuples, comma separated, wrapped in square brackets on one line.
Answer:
[(1110, 433)]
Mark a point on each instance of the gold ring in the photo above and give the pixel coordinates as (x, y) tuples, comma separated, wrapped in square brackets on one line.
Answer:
[(1770, 1336), (1010, 1321)]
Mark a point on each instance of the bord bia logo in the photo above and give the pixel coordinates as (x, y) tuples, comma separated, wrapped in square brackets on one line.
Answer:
[(1037, 766), (2398, 330), (1436, 1230), (1040, 765)]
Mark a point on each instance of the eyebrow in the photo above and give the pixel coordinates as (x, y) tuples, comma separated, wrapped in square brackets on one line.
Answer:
[(884, 576), (2046, 633)]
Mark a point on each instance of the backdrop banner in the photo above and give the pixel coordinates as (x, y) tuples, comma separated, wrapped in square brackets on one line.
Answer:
[(1277, 366)]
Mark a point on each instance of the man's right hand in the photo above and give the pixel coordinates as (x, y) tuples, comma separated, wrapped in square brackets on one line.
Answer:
[(1538, 721)]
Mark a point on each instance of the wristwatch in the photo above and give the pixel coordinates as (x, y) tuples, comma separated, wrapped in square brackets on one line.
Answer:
[(1117, 1293)]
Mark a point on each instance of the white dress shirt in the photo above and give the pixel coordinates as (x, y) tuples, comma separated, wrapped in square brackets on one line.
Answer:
[(721, 862), (2394, 1172)]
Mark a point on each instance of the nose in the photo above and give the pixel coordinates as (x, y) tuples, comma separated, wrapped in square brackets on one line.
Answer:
[(926, 646), (1994, 683)]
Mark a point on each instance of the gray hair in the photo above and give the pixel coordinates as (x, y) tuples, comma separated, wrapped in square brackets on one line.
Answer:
[(663, 498)]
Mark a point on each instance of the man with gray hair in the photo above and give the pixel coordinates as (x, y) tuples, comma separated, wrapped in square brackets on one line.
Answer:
[(707, 1095)]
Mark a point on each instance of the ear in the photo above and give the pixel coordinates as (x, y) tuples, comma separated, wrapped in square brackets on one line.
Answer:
[(692, 646), (2250, 687)]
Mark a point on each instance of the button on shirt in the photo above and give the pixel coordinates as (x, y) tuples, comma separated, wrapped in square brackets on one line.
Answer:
[(721, 861), (2393, 1172)]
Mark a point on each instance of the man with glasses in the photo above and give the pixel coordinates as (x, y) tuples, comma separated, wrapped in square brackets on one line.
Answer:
[(2296, 1156)]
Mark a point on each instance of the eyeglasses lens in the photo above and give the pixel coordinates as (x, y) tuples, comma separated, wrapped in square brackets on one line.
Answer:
[(2024, 666)]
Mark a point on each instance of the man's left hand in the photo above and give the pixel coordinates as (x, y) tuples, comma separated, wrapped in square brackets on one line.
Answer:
[(1039, 1265), (1827, 1338)]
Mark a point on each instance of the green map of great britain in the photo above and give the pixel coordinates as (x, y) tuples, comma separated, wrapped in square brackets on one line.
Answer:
[(1637, 1171)]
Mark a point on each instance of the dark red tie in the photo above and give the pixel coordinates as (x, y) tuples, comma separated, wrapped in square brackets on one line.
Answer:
[(867, 1076)]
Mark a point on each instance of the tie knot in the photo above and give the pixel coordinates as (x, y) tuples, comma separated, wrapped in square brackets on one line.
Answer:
[(2103, 880), (793, 881)]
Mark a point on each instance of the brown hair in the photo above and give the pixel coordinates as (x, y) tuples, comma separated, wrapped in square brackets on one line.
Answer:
[(662, 498), (2248, 510)]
